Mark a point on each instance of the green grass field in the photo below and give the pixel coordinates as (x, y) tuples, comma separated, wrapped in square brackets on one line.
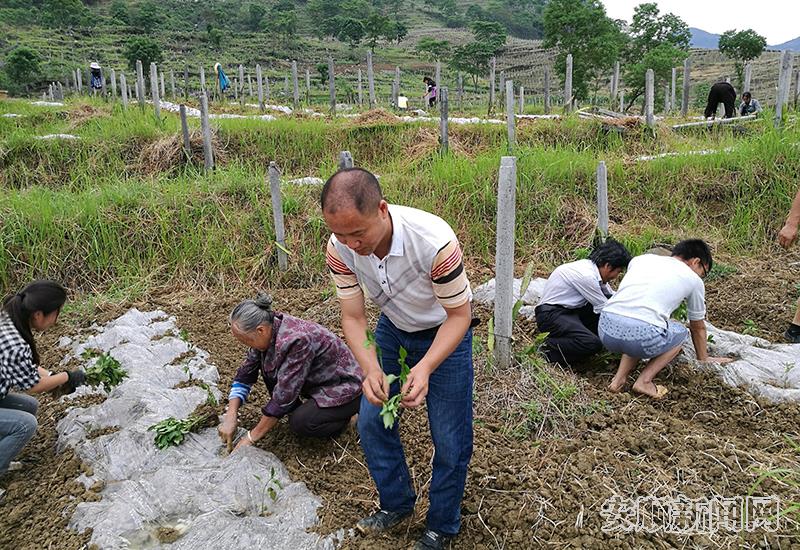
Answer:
[(99, 213)]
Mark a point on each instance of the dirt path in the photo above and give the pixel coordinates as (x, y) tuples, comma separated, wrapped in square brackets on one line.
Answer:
[(537, 472)]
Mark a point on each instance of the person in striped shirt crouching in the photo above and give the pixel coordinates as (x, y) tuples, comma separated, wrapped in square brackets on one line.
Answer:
[(409, 263)]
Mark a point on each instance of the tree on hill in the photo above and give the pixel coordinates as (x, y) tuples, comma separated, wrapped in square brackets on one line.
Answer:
[(741, 46), (145, 50), (376, 27), (283, 16), (350, 30), (22, 67), (433, 49), (582, 28), (255, 16), (473, 57), (657, 42), (119, 11), (64, 13), (146, 17)]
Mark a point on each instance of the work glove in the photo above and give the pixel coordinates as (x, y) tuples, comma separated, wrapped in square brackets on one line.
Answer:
[(76, 379)]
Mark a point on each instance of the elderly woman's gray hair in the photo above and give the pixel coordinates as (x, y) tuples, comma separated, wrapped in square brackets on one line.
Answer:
[(250, 314)]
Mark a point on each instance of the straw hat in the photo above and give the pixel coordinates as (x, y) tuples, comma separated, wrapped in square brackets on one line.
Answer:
[(94, 65)]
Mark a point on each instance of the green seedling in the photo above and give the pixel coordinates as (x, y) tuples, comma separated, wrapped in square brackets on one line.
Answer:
[(210, 399), (680, 313), (526, 282), (710, 339), (268, 489), (750, 327), (391, 408), (106, 371), (172, 432)]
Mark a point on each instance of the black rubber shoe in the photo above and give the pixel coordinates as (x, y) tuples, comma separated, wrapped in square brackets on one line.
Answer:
[(380, 521), (791, 338), (431, 540)]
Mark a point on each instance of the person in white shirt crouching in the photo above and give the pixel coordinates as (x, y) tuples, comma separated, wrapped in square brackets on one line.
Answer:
[(573, 296), (636, 320)]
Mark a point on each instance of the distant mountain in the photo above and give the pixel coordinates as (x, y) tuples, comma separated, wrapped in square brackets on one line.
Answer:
[(703, 39), (710, 41), (793, 45)]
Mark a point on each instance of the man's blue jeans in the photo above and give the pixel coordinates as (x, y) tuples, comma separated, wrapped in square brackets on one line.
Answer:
[(17, 425), (449, 404)]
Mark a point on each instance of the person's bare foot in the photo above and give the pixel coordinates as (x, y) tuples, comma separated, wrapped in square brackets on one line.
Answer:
[(650, 389), (616, 385)]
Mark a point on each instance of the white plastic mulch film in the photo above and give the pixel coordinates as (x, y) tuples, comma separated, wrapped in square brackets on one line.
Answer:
[(767, 370), (198, 493)]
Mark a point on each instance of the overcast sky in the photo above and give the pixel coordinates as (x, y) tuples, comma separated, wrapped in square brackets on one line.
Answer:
[(778, 20)]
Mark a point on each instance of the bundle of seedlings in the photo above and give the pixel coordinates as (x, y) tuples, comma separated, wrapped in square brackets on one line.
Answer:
[(172, 432), (106, 371)]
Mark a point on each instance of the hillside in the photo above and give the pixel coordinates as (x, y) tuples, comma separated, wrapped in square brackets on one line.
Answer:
[(181, 29)]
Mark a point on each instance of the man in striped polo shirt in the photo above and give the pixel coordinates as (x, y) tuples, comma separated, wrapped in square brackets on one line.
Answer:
[(410, 264)]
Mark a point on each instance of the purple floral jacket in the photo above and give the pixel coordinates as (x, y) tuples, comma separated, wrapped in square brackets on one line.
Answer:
[(304, 360)]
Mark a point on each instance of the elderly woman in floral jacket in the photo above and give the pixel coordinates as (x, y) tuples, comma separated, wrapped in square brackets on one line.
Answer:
[(310, 373)]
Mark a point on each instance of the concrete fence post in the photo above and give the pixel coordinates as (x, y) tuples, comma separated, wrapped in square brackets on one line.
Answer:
[(504, 261), (602, 200), (277, 214), (687, 67), (208, 149)]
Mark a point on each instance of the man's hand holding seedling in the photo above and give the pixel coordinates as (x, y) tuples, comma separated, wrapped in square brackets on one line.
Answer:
[(415, 388), (375, 387)]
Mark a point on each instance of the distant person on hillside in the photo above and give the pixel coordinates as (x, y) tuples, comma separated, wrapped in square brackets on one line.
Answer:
[(573, 296), (35, 308), (721, 93), (749, 105), (430, 91), (787, 237), (222, 78), (310, 373), (96, 80), (636, 320)]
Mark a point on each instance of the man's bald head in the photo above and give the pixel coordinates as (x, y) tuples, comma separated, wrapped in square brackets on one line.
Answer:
[(351, 188)]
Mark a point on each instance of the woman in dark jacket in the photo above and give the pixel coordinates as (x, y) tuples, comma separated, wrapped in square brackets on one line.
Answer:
[(310, 373)]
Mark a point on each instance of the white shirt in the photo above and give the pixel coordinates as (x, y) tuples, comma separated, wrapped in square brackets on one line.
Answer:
[(421, 275), (574, 285), (654, 287)]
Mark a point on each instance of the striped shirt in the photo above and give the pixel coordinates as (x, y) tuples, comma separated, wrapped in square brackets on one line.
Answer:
[(16, 359), (422, 274)]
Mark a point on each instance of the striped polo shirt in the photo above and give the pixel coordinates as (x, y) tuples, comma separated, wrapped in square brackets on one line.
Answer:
[(422, 274)]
